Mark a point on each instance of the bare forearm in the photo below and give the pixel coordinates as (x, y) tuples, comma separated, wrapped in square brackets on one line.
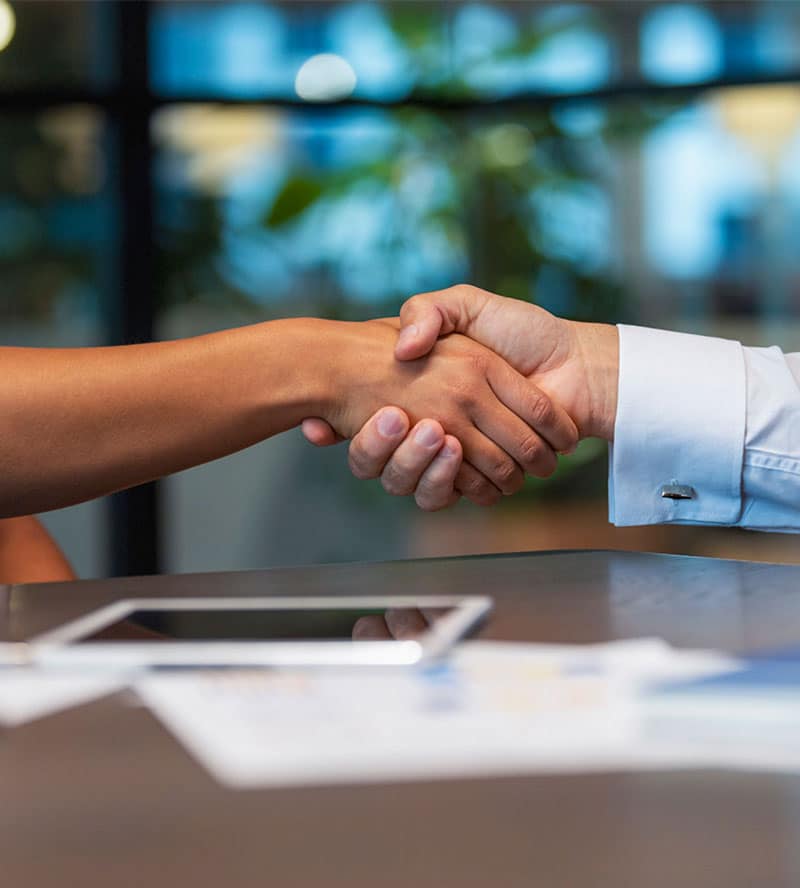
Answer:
[(80, 423), (28, 554)]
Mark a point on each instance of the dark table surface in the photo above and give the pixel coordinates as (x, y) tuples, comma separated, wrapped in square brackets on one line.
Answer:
[(101, 795)]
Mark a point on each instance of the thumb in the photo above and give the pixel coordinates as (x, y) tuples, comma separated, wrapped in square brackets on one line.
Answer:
[(319, 433), (525, 335), (425, 317), (420, 327)]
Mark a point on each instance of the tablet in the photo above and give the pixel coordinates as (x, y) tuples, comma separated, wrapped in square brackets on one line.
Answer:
[(397, 630)]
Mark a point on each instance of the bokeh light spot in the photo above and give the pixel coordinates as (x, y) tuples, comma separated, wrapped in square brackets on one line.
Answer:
[(8, 24), (325, 78)]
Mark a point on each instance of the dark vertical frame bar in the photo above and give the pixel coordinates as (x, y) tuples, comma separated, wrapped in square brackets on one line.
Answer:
[(135, 512)]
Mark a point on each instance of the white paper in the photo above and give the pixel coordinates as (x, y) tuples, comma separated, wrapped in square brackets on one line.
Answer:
[(27, 693), (494, 708)]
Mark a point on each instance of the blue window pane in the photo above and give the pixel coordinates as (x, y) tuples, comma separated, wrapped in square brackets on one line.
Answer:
[(362, 34), (232, 49), (699, 180), (570, 62), (681, 44)]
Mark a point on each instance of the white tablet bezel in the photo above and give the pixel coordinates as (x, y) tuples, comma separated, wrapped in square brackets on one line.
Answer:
[(58, 646)]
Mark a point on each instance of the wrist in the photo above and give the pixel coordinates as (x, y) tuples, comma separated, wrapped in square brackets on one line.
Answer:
[(335, 358), (318, 359), (353, 358), (284, 369), (598, 350)]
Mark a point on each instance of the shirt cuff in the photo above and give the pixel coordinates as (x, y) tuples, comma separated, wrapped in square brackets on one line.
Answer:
[(680, 421)]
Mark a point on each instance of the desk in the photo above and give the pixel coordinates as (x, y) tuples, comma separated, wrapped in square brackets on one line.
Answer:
[(102, 797)]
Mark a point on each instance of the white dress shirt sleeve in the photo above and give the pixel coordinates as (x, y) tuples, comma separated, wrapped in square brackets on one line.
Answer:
[(712, 416)]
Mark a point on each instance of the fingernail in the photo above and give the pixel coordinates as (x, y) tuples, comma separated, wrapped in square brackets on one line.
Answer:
[(408, 334), (449, 451), (427, 435), (390, 424)]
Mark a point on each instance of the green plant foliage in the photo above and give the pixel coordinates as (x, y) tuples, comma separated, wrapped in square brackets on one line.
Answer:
[(295, 197)]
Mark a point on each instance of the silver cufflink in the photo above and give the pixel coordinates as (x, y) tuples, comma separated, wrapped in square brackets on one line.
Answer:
[(677, 491)]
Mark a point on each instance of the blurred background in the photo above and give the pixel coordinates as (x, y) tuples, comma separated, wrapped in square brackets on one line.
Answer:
[(169, 168)]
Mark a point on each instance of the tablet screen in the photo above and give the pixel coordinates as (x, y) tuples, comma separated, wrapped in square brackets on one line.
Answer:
[(215, 624)]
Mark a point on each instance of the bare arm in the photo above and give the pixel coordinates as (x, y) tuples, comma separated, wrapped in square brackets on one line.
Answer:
[(28, 554), (80, 423)]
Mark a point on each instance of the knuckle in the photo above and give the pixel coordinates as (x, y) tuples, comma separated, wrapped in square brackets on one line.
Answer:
[(462, 397), (415, 306), (474, 486), (395, 482), (358, 462), (531, 449), (435, 489), (462, 289), (433, 493), (479, 491), (505, 472), (541, 410), (478, 361)]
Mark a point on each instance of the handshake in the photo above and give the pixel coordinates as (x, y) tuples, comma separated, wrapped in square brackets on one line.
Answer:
[(482, 390)]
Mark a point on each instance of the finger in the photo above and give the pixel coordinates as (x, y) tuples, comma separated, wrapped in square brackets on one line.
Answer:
[(406, 465), (516, 439), (374, 445), (491, 460), (532, 453), (436, 487), (476, 487), (547, 418), (425, 317), (371, 628), (319, 433), (405, 622), (421, 324)]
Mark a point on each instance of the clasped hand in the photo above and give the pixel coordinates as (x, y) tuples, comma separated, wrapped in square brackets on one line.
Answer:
[(539, 384), (465, 401)]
